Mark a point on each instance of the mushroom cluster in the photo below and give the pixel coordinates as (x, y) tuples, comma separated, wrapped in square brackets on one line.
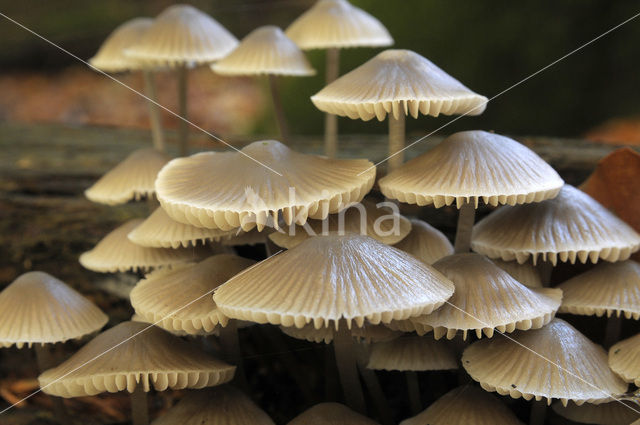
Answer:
[(390, 293)]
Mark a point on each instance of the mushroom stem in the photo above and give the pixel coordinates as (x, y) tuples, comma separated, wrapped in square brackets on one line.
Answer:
[(373, 385), (413, 388), (278, 110), (46, 360), (139, 406), (230, 342), (154, 111), (466, 218), (183, 125), (396, 141), (544, 269), (612, 332), (346, 362), (331, 120), (538, 413)]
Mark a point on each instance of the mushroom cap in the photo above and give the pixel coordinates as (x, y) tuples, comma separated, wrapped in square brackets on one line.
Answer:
[(131, 354), (367, 218), (472, 165), (330, 414), (37, 308), (465, 405), (329, 278), (553, 362), (571, 225), (624, 359), (525, 273), (398, 82), (223, 405), (160, 231), (612, 413), (110, 56), (425, 242), (337, 23), (487, 298), (265, 51), (180, 299), (252, 237), (412, 353), (607, 288), (367, 333), (133, 178), (236, 191), (116, 253), (183, 35)]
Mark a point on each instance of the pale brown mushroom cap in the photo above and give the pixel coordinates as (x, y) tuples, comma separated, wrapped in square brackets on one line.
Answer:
[(160, 231), (132, 354), (466, 405), (412, 353), (607, 288), (329, 278), (252, 237), (331, 414), (486, 299), (183, 35), (337, 23), (223, 405), (553, 362), (397, 82), (110, 56), (571, 225), (612, 413), (180, 299), (133, 178), (367, 333), (425, 242), (37, 308), (624, 359), (366, 218), (116, 253), (265, 51), (472, 165), (236, 191), (525, 273)]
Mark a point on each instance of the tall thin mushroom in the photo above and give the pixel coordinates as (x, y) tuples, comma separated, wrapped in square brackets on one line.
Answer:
[(333, 25), (397, 83)]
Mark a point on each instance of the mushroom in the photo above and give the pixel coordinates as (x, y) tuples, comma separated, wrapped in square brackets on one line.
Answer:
[(38, 309), (425, 242), (116, 253), (251, 187), (160, 231), (334, 281), (398, 83), (215, 406), (133, 178), (624, 359), (412, 354), (553, 362), (486, 298), (524, 273), (111, 58), (367, 218), (612, 413), (366, 333), (465, 405), (267, 51), (607, 288), (571, 226), (182, 37), (134, 356), (456, 171), (334, 25), (330, 414)]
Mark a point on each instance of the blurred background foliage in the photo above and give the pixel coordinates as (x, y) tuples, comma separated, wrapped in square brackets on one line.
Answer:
[(489, 46)]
